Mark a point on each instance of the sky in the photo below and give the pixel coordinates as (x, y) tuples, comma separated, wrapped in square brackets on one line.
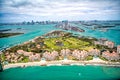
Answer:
[(42, 10)]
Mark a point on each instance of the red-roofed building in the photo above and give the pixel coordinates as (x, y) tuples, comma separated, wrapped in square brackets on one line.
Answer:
[(110, 44), (110, 56)]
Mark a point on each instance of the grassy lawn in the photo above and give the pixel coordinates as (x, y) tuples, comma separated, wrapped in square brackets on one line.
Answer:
[(56, 43), (103, 58), (40, 45), (69, 42), (89, 58), (51, 43)]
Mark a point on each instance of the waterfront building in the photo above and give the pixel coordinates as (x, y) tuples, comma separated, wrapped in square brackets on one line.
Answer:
[(46, 55), (105, 42), (75, 54), (27, 53), (110, 55), (65, 52), (110, 44), (118, 49), (94, 52), (50, 56), (54, 53), (24, 52), (101, 41), (80, 55), (34, 57), (20, 51), (83, 54)]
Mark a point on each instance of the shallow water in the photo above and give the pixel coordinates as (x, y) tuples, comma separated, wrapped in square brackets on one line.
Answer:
[(31, 31), (62, 73)]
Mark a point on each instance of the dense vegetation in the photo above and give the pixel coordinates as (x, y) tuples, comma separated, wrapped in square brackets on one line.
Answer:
[(51, 42), (42, 44)]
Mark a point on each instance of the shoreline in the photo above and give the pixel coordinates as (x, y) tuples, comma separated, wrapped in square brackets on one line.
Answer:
[(62, 62)]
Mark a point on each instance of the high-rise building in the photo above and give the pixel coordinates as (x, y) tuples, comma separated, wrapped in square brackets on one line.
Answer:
[(65, 22)]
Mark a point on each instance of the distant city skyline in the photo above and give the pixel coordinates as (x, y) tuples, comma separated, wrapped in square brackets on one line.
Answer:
[(42, 10)]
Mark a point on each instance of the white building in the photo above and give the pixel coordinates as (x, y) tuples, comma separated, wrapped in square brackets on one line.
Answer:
[(110, 44), (118, 49)]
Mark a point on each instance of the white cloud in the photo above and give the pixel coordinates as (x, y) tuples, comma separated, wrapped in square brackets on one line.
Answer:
[(62, 8)]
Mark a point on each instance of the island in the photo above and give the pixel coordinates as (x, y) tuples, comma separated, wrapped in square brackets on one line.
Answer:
[(5, 30), (2, 35), (60, 47)]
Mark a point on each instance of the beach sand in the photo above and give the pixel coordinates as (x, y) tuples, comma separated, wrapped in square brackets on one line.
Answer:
[(95, 61)]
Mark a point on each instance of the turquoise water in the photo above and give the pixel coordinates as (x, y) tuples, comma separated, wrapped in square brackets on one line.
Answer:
[(62, 73), (112, 34), (57, 72), (32, 31)]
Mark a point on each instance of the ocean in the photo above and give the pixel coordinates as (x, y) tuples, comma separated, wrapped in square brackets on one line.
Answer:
[(30, 32), (73, 72), (57, 72)]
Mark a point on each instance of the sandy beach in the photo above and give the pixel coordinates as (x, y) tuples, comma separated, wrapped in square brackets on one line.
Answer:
[(97, 61)]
